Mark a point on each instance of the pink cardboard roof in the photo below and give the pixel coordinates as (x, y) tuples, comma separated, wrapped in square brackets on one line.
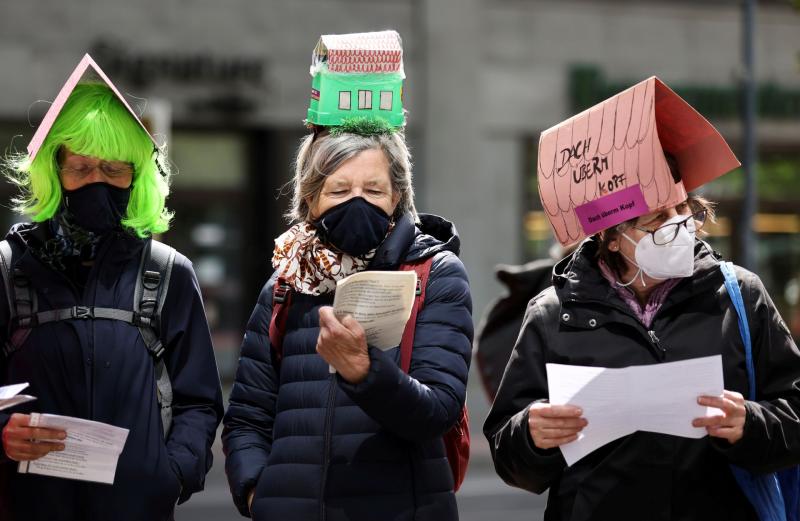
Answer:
[(361, 52), (606, 165), (87, 70)]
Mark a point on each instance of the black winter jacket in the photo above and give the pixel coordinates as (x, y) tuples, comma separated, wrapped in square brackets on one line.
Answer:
[(317, 447), (582, 321), (101, 370)]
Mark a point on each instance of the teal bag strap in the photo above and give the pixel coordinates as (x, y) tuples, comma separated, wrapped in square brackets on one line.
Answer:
[(732, 285)]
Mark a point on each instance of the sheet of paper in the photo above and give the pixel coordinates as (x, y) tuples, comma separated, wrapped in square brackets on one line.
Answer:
[(9, 395), (616, 402), (596, 390), (672, 395), (91, 450), (380, 301)]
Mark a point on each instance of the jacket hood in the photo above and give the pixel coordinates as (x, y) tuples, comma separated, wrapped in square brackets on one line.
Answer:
[(412, 241), (525, 278)]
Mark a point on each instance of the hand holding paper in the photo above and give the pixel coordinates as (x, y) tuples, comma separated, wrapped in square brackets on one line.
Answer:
[(23, 442), (730, 424), (343, 345), (554, 425), (369, 308), (659, 398), (91, 449)]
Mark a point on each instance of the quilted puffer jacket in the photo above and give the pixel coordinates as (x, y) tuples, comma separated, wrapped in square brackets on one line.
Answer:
[(313, 446)]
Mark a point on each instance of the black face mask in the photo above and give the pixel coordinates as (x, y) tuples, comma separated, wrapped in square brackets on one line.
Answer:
[(354, 227), (97, 207)]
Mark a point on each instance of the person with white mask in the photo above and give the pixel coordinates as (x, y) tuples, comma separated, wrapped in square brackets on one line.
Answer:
[(644, 288), (650, 282)]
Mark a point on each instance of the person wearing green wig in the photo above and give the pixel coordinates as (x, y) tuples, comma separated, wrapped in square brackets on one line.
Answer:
[(94, 124), (103, 322)]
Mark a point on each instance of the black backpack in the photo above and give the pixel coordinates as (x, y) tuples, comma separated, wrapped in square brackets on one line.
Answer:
[(155, 268)]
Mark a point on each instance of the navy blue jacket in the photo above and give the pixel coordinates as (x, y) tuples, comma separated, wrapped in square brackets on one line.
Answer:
[(101, 370), (317, 447)]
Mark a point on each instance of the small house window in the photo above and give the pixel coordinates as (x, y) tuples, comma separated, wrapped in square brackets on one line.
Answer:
[(386, 100), (344, 100), (365, 100)]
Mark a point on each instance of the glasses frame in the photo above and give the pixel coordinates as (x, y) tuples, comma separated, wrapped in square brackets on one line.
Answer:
[(698, 216), (106, 167)]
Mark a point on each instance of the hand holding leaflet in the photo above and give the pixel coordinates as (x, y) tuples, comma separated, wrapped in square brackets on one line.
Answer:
[(617, 402), (380, 301), (91, 450)]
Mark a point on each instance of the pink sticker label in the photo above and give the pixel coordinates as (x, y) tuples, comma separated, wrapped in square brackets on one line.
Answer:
[(612, 209)]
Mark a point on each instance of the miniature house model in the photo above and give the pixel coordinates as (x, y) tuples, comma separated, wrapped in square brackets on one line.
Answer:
[(357, 75)]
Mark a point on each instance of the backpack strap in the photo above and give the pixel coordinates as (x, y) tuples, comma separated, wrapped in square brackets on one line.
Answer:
[(150, 294), (5, 271), (23, 305), (423, 270), (732, 286), (155, 269), (281, 300), (457, 439), (22, 301)]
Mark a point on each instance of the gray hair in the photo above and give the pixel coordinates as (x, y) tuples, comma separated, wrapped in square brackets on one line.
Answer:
[(321, 154)]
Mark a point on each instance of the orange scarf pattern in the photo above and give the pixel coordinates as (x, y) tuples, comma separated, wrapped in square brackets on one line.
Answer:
[(308, 265)]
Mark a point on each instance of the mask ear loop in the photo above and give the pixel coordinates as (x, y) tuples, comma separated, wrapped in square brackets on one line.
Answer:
[(637, 274)]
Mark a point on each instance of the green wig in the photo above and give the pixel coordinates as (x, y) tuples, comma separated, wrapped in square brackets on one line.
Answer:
[(93, 122)]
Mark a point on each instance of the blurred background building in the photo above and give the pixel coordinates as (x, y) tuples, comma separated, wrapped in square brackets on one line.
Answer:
[(227, 85)]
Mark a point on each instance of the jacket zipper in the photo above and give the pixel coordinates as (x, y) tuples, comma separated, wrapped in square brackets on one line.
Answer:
[(657, 344), (327, 445), (80, 297), (91, 279)]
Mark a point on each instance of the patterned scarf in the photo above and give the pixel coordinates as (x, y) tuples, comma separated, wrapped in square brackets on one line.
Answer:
[(308, 265), (67, 240)]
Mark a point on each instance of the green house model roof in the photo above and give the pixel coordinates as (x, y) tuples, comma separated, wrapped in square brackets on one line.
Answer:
[(357, 76)]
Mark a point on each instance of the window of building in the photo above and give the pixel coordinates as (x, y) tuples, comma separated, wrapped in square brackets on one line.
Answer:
[(365, 100), (344, 100), (386, 100)]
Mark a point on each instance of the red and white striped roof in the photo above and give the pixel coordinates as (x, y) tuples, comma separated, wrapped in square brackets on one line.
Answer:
[(361, 52)]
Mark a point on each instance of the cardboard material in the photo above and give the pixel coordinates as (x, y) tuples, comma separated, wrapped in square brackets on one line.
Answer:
[(606, 165), (378, 52), (87, 70), (357, 76)]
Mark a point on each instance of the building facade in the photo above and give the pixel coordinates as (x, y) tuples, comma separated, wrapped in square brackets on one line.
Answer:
[(227, 84)]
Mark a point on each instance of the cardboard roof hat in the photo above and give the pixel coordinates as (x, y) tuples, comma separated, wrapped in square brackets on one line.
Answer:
[(606, 165), (358, 82), (86, 71)]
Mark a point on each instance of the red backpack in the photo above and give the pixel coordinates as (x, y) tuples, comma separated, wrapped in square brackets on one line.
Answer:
[(456, 440)]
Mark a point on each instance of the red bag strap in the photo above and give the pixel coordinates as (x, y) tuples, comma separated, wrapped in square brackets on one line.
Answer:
[(281, 300), (423, 270)]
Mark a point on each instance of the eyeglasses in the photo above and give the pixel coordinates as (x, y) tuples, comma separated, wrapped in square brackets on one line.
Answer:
[(110, 168), (666, 234)]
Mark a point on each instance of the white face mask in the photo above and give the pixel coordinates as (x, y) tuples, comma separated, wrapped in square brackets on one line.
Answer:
[(666, 261)]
